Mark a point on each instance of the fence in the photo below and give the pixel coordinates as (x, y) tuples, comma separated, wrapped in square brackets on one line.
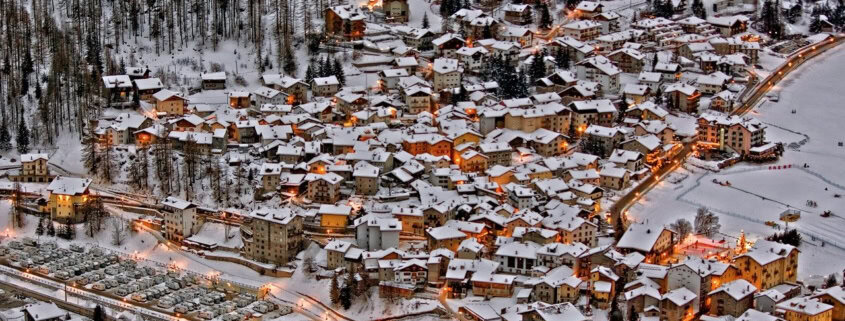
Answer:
[(681, 198)]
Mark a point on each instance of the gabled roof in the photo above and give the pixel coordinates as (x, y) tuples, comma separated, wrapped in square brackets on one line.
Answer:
[(69, 185), (148, 83)]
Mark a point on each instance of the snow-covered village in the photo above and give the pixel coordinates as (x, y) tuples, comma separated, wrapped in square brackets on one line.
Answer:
[(422, 160)]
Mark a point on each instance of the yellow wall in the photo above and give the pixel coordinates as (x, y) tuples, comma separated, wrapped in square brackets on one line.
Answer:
[(62, 206), (328, 220)]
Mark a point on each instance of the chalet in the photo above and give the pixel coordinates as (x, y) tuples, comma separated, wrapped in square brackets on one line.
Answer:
[(629, 60), (581, 30), (214, 80), (118, 87), (33, 169), (768, 264), (678, 305), (574, 49), (447, 45), (296, 90), (636, 93), (265, 95), (732, 298), (520, 35), (609, 21), (334, 216), (473, 58), (396, 11), (804, 308), (146, 87), (588, 9), (447, 74), (324, 188), (68, 196), (325, 86), (729, 25), (584, 113), (239, 99), (345, 22), (601, 70), (651, 240), (519, 14), (682, 97), (740, 134)]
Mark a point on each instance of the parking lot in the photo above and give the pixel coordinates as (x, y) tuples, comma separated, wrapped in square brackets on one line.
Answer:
[(169, 290)]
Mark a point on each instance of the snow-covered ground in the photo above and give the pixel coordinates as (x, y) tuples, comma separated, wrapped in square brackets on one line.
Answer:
[(759, 194)]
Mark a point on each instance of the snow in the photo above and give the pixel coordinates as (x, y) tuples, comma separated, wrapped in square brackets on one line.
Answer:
[(810, 91)]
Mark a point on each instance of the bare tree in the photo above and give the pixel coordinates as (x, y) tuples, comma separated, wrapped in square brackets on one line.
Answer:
[(95, 214), (706, 223), (119, 232), (683, 227)]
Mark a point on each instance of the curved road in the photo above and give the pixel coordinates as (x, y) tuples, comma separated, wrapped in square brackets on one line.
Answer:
[(760, 91)]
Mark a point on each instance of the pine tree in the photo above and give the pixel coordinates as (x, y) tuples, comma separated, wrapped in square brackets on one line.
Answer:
[(444, 8), (309, 74), (815, 25), (658, 96), (633, 315), (39, 230), (795, 12), (537, 69), (51, 229), (5, 138), (346, 297), (770, 18), (334, 291), (90, 158), (326, 67), (545, 16), (338, 72), (698, 9), (562, 59), (487, 33), (425, 23), (23, 137), (98, 314)]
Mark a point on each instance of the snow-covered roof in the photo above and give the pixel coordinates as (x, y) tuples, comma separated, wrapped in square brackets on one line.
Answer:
[(44, 311), (640, 236), (765, 252), (33, 157), (519, 249), (349, 12), (445, 65), (148, 83), (581, 25), (588, 6), (681, 87), (680, 296), (445, 233), (737, 289), (221, 75), (165, 94), (176, 203), (69, 185), (335, 209), (595, 105), (754, 315), (117, 81), (804, 305), (326, 81)]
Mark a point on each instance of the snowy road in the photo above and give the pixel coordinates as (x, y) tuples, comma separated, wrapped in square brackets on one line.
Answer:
[(813, 91)]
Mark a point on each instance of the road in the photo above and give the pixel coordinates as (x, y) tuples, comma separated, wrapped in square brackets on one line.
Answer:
[(763, 87), (637, 192)]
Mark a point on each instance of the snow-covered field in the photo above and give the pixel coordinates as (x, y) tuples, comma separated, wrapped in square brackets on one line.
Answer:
[(759, 194)]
